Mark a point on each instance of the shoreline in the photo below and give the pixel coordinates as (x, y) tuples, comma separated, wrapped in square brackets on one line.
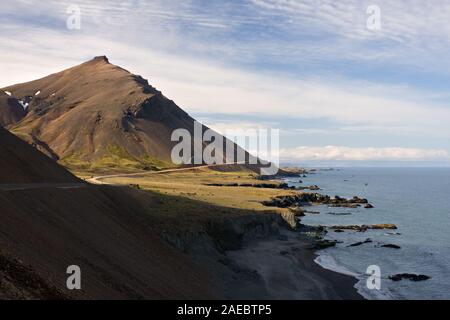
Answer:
[(321, 260), (255, 255), (327, 262), (285, 268), (344, 283)]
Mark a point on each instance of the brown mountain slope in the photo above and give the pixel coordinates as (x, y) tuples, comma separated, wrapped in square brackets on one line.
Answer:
[(20, 163), (10, 110), (99, 115), (106, 231)]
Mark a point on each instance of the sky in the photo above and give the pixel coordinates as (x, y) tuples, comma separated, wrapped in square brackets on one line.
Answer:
[(336, 87)]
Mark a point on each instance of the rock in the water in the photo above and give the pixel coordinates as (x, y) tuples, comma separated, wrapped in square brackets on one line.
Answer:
[(312, 212), (339, 213), (324, 244), (312, 188), (361, 243), (345, 205), (384, 226), (359, 200), (364, 228), (369, 206), (392, 246), (409, 276), (303, 199)]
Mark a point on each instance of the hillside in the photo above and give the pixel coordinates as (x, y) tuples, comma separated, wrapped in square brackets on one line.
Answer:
[(103, 230), (10, 110), (99, 115), (20, 163), (50, 221)]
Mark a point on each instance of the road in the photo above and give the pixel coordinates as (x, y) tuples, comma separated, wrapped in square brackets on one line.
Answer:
[(97, 180), (29, 186)]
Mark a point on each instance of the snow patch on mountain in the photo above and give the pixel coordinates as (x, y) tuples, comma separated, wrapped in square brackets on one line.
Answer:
[(23, 104)]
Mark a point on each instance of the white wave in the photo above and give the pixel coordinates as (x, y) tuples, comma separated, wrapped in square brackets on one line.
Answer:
[(326, 261)]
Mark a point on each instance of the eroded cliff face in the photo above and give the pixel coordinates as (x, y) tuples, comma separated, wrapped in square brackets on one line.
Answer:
[(227, 234), (213, 249)]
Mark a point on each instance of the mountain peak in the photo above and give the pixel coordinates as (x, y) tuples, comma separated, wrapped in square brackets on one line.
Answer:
[(99, 115), (95, 113), (101, 59)]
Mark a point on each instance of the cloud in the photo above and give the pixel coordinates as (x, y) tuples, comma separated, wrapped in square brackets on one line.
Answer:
[(230, 58), (223, 126), (341, 153), (202, 86), (402, 20), (301, 32)]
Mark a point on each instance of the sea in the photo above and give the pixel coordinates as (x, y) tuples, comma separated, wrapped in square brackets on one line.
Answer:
[(417, 200)]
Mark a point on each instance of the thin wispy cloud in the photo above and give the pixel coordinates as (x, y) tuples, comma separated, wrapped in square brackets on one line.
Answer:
[(283, 62), (339, 153)]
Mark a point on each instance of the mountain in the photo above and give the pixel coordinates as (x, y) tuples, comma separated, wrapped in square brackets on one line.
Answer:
[(20, 163), (11, 111), (106, 231), (99, 115)]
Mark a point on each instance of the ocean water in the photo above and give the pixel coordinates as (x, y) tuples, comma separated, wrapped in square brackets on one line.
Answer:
[(417, 200)]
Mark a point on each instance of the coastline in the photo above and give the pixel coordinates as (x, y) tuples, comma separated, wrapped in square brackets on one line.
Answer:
[(252, 252), (339, 283), (287, 269), (327, 261)]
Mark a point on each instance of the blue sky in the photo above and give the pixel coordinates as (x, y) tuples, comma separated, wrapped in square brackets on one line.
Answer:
[(336, 89)]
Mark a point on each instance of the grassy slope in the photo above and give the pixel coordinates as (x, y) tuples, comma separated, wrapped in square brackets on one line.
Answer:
[(116, 159), (181, 192)]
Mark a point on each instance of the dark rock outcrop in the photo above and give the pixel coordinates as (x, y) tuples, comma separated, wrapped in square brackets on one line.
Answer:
[(364, 228), (303, 199), (357, 244), (409, 276), (283, 186), (391, 246), (324, 244), (312, 188)]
